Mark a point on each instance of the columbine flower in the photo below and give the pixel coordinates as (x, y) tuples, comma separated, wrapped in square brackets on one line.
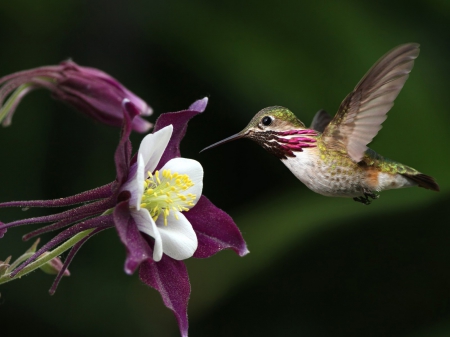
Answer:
[(89, 90), (159, 199), (156, 206)]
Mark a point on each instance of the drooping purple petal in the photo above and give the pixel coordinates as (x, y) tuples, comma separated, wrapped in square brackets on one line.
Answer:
[(123, 151), (71, 68), (179, 121), (137, 248), (171, 279), (215, 230), (76, 91)]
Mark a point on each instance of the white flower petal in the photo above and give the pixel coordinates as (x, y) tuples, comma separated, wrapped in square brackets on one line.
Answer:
[(146, 225), (140, 178), (179, 240), (193, 169), (153, 145)]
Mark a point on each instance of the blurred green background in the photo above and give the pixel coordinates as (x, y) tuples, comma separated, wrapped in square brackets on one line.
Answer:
[(318, 266)]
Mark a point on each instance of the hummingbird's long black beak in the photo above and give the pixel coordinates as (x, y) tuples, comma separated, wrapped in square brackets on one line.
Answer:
[(226, 140)]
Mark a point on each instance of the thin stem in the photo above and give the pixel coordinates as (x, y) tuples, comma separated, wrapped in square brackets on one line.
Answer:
[(16, 263), (10, 102), (43, 260)]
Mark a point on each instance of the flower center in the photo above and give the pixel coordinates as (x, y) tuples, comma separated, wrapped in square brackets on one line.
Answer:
[(164, 192)]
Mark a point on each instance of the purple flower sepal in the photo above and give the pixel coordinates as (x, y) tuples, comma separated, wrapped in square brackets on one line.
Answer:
[(156, 239), (89, 90)]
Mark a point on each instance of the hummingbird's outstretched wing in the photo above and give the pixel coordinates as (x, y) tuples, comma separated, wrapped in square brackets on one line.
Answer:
[(360, 115), (321, 120)]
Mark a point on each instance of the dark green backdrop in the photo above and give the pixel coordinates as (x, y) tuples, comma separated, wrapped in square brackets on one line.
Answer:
[(318, 266)]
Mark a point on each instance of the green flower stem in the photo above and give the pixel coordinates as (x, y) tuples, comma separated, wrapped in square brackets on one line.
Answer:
[(44, 259), (9, 103), (16, 263)]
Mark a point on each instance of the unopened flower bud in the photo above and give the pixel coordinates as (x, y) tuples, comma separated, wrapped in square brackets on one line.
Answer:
[(4, 265), (2, 231), (89, 90), (54, 266)]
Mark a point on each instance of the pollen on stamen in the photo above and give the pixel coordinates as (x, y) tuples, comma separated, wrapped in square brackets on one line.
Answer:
[(163, 193)]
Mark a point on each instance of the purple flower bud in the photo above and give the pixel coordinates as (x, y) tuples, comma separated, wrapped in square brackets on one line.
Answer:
[(89, 90)]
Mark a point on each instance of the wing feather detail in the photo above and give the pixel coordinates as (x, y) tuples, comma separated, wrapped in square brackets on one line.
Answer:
[(362, 112)]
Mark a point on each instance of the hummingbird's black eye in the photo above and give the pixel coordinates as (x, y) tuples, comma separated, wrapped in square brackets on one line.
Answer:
[(266, 121)]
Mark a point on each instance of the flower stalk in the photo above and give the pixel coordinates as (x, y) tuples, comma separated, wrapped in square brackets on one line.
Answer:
[(10, 273)]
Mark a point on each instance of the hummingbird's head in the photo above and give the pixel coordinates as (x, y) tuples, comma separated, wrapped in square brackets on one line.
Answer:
[(268, 128), (273, 118)]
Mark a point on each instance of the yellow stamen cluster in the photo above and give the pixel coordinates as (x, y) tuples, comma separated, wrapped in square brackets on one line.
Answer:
[(163, 193)]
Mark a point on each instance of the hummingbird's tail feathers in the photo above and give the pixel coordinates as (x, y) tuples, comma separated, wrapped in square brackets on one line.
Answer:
[(423, 180)]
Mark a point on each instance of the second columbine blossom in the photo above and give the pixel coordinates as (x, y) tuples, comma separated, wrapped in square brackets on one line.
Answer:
[(89, 90), (159, 197)]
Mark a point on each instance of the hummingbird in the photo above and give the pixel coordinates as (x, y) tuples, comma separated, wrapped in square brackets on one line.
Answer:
[(331, 157)]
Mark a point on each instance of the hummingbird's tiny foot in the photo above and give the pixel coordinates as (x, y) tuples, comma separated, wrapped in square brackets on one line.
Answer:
[(370, 194), (364, 200)]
